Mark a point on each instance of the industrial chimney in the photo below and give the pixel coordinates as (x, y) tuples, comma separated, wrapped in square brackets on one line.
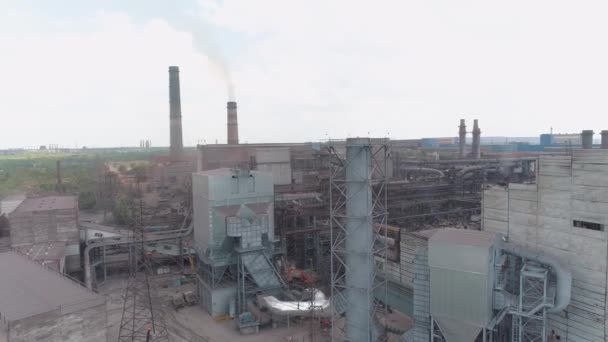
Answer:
[(587, 139), (476, 140), (605, 139), (59, 186), (175, 115), (233, 126), (462, 139)]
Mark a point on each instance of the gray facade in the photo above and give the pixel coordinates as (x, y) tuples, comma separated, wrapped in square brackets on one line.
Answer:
[(563, 216), (233, 236), (40, 220), (220, 198)]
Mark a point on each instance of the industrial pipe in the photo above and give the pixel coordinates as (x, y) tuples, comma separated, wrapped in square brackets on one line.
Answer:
[(111, 241), (423, 170), (319, 305), (468, 169), (563, 275), (470, 161)]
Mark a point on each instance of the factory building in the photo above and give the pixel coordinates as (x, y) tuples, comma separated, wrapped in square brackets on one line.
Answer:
[(233, 237), (48, 223), (39, 304), (563, 216), (7, 206), (293, 166)]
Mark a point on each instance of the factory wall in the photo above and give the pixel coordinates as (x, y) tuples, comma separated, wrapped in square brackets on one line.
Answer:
[(216, 301), (43, 226), (558, 216), (280, 160), (220, 194), (88, 325), (401, 271), (34, 227)]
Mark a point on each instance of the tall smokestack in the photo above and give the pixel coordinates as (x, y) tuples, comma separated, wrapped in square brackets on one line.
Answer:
[(233, 126), (175, 115), (587, 139), (605, 139), (476, 140), (462, 139)]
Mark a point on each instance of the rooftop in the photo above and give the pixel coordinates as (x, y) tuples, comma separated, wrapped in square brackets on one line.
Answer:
[(28, 289), (464, 237), (52, 250), (10, 203), (47, 203)]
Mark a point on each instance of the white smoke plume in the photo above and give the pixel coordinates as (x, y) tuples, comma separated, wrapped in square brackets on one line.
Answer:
[(204, 42)]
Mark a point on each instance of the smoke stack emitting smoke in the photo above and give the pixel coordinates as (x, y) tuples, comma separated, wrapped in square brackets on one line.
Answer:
[(233, 126)]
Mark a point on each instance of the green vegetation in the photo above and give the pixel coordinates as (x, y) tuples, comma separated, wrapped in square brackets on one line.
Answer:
[(35, 172)]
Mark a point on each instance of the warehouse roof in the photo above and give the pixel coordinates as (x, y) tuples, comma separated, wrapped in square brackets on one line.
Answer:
[(28, 289), (464, 237), (48, 203)]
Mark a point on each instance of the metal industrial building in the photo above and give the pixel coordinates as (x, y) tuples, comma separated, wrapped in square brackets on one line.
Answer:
[(49, 220), (233, 237), (563, 215), (39, 304)]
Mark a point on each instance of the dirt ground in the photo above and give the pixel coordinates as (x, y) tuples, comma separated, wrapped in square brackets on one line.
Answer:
[(191, 324)]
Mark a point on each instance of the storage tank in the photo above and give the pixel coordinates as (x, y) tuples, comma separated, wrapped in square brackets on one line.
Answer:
[(461, 287)]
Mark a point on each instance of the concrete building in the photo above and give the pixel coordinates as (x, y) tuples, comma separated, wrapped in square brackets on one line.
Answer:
[(166, 174), (7, 205), (291, 165), (233, 236), (41, 220), (563, 216), (39, 304)]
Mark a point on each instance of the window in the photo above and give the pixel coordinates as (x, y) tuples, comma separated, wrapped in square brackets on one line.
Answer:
[(588, 225)]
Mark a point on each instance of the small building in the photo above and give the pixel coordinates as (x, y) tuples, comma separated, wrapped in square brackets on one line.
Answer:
[(40, 220), (7, 205), (39, 304)]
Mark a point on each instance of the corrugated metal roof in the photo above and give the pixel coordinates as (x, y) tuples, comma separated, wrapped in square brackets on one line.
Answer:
[(10, 203), (464, 237), (47, 203), (427, 233), (54, 250), (28, 289)]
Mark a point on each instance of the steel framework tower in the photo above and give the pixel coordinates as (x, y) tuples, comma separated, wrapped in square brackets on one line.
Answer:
[(141, 321), (357, 213)]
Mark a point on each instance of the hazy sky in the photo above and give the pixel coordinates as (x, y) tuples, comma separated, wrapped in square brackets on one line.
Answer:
[(94, 73)]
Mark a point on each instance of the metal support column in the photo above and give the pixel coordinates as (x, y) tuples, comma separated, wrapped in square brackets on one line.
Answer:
[(357, 209)]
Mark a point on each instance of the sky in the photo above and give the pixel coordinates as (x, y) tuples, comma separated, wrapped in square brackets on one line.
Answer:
[(95, 73)]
